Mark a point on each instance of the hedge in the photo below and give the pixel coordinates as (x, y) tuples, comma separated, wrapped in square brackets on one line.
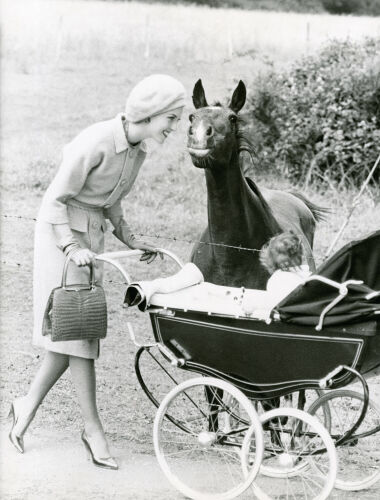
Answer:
[(320, 121), (356, 7), (365, 7)]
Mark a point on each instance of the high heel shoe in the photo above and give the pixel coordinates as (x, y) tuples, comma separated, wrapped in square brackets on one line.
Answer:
[(17, 441), (105, 463)]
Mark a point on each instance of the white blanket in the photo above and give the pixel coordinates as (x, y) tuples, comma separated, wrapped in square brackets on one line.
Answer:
[(186, 290), (210, 298)]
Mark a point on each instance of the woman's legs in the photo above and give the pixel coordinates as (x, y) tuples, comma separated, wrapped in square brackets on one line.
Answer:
[(51, 369), (83, 374)]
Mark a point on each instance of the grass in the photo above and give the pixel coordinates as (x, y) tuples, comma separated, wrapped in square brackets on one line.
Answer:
[(60, 74)]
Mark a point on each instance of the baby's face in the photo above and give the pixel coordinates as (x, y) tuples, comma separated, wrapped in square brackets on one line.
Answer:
[(283, 262)]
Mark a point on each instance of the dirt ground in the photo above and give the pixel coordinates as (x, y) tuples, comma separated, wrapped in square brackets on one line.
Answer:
[(54, 466)]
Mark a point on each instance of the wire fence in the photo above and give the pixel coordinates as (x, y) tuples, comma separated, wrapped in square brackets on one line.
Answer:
[(159, 236), (141, 235)]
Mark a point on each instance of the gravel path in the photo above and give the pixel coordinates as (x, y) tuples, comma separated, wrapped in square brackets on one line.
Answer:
[(54, 466)]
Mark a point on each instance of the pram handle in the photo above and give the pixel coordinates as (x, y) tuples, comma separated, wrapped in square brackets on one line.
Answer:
[(343, 291), (113, 257)]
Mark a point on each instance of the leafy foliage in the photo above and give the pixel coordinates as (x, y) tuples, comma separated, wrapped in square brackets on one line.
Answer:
[(342, 6), (277, 5), (321, 119), (362, 7), (368, 7)]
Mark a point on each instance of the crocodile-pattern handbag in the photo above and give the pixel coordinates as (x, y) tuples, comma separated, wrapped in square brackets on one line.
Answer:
[(76, 312)]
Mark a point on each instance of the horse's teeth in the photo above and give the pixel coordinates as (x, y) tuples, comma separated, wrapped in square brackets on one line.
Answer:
[(198, 152)]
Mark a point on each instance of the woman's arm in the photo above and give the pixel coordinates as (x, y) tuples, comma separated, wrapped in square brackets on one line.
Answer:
[(124, 233), (79, 158), (70, 246)]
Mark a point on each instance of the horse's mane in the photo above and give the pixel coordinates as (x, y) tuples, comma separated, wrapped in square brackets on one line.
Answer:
[(244, 142), (271, 221)]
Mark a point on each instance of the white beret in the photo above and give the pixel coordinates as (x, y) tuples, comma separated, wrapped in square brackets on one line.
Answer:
[(154, 95)]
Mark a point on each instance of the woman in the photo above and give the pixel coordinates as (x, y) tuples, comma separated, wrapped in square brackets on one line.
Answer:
[(98, 169)]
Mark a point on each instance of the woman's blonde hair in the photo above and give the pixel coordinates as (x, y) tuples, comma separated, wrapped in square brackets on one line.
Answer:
[(282, 252)]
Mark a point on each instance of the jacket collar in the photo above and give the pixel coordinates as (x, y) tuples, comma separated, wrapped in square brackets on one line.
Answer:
[(121, 143)]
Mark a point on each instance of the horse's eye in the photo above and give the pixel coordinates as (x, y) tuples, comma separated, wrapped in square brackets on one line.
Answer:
[(232, 118)]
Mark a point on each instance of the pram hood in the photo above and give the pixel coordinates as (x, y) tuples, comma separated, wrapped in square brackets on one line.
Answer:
[(358, 260)]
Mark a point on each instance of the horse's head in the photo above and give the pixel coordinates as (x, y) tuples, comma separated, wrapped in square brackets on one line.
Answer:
[(212, 134)]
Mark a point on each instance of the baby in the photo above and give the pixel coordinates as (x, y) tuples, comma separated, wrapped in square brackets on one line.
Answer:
[(282, 257)]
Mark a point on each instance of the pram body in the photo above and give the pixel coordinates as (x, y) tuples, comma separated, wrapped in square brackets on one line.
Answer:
[(264, 360), (338, 343)]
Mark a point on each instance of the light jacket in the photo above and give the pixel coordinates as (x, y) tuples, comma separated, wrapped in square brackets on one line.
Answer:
[(98, 169)]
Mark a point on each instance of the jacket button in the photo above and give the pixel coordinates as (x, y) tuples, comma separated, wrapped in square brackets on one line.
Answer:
[(123, 182), (95, 225), (131, 154)]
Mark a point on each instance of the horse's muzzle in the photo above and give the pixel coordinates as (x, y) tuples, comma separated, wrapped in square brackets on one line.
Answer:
[(198, 153)]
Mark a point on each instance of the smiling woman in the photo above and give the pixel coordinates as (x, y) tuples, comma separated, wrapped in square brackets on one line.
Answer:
[(156, 127), (154, 108), (98, 169)]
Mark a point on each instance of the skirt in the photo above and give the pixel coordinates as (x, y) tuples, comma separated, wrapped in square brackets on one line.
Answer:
[(88, 226)]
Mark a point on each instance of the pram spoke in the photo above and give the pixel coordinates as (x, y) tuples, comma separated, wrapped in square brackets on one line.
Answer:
[(210, 464), (289, 459), (359, 457)]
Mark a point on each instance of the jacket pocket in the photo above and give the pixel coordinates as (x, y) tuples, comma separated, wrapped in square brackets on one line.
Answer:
[(78, 219)]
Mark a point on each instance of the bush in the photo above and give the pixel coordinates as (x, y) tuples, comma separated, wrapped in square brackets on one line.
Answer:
[(362, 7), (365, 7), (342, 6), (272, 5), (321, 119)]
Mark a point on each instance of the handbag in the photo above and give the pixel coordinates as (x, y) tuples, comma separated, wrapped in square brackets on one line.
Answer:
[(76, 312)]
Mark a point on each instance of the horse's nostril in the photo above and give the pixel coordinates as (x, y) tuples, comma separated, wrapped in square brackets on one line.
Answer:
[(190, 130), (209, 131)]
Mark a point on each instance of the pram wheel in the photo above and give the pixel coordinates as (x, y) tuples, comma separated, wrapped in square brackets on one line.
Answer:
[(301, 400), (294, 442), (359, 458), (201, 457)]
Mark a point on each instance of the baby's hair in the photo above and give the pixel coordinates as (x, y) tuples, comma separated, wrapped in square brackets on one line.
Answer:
[(282, 252)]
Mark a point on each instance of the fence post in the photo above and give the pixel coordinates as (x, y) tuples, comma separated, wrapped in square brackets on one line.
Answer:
[(147, 37), (58, 47), (230, 46)]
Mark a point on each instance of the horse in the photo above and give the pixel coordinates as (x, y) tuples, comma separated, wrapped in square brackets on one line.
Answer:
[(241, 216)]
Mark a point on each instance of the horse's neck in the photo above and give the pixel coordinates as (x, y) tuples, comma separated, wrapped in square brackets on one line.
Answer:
[(235, 214)]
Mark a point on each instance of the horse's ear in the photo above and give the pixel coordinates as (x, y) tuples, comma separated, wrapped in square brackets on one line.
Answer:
[(199, 98), (238, 97)]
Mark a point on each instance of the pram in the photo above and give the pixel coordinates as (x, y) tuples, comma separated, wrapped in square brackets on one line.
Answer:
[(268, 410)]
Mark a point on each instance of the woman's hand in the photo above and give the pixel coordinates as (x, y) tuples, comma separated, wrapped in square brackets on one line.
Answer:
[(82, 256), (124, 233), (150, 252)]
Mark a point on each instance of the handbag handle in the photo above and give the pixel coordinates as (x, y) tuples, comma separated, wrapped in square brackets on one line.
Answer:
[(91, 284)]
